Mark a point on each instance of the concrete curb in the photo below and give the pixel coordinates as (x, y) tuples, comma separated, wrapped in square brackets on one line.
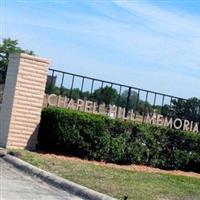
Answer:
[(56, 181)]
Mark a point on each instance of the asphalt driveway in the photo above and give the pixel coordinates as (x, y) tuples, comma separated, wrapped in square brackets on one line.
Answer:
[(14, 185)]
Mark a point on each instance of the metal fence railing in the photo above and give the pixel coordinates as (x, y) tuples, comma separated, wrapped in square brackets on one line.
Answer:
[(140, 101)]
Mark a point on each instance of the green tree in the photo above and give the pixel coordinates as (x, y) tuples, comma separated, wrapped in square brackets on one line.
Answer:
[(7, 47), (186, 109), (105, 95), (134, 102)]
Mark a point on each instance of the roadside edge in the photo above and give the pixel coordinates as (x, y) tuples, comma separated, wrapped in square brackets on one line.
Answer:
[(56, 181)]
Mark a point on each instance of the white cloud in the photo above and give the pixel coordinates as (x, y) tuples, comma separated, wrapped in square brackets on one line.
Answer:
[(142, 44)]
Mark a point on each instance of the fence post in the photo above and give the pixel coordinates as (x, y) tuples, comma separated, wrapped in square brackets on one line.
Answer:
[(22, 101), (127, 101)]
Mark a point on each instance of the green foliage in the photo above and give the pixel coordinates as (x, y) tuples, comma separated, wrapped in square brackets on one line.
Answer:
[(117, 148), (105, 95), (75, 93), (134, 99), (176, 108), (84, 134), (186, 109), (100, 138), (7, 47)]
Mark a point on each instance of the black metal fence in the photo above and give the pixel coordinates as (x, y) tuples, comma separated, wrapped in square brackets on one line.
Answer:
[(139, 100)]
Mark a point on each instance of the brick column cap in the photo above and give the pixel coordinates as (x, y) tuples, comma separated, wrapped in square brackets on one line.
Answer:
[(29, 57)]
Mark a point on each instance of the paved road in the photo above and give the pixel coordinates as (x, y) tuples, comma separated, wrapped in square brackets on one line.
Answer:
[(14, 185)]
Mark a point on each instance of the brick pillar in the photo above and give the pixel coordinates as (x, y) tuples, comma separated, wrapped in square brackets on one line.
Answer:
[(22, 101)]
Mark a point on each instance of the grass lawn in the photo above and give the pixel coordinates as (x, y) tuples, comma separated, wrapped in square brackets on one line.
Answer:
[(118, 182)]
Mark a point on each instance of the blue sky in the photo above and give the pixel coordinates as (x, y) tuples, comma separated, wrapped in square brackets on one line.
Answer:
[(150, 44)]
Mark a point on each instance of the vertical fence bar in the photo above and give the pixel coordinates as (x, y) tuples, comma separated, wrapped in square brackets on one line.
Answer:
[(70, 94), (82, 84), (127, 101), (193, 109), (61, 85), (51, 83), (102, 84), (118, 99), (145, 104), (92, 86), (83, 79), (154, 101), (181, 105), (119, 95), (171, 101), (170, 107), (137, 101), (162, 104)]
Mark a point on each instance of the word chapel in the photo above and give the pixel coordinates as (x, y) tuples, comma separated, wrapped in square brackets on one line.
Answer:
[(117, 112)]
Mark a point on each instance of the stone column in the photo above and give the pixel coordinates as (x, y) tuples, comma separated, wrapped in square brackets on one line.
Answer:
[(22, 101)]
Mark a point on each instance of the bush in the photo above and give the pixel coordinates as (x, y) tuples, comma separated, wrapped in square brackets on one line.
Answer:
[(117, 148), (100, 138), (74, 132)]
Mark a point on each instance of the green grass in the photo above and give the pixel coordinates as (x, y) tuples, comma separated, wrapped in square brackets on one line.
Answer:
[(117, 182)]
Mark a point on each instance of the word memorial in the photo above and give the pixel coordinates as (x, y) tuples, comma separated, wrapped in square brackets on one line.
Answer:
[(116, 112), (177, 123)]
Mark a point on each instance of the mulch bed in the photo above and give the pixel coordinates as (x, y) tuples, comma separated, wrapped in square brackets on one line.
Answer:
[(134, 168)]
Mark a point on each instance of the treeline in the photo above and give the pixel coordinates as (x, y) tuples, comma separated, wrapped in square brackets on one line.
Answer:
[(106, 95), (184, 109)]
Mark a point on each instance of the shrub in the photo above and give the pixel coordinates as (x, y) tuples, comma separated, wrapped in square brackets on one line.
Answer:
[(75, 132), (117, 148), (98, 137)]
